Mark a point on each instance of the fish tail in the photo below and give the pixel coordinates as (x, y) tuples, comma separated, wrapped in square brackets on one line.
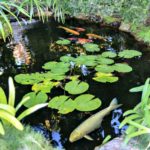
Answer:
[(114, 104)]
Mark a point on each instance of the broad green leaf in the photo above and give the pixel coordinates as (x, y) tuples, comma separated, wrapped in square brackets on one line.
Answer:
[(76, 87), (129, 54), (137, 89), (109, 54), (104, 61), (66, 59), (3, 99), (105, 77), (31, 110), (11, 119), (129, 112), (123, 68), (87, 102), (35, 99), (11, 99), (2, 131), (104, 68), (63, 42), (90, 47)]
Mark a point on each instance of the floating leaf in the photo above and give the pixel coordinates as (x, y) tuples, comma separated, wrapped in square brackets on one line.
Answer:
[(76, 87), (104, 61), (90, 47), (62, 103), (57, 67), (105, 77), (109, 54), (129, 54), (66, 59), (35, 98), (87, 102), (63, 42), (104, 68), (122, 67)]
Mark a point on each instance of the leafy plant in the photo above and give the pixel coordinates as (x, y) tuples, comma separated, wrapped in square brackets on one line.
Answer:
[(138, 117), (8, 110), (129, 54), (104, 68), (104, 61), (63, 42), (76, 87), (109, 54), (90, 47), (120, 67)]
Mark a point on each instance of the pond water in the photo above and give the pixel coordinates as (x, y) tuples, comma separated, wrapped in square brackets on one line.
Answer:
[(38, 40)]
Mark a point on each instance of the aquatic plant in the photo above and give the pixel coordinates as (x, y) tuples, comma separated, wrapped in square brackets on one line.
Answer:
[(8, 111), (91, 47), (84, 102), (63, 42), (109, 54), (26, 140), (138, 117)]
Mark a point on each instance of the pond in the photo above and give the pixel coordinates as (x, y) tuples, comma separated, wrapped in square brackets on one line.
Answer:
[(39, 40)]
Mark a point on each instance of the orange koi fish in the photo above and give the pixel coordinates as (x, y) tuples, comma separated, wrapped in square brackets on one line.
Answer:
[(80, 29), (95, 36), (83, 41), (69, 30)]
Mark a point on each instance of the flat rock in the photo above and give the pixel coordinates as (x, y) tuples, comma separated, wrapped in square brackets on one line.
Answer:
[(124, 27), (117, 144)]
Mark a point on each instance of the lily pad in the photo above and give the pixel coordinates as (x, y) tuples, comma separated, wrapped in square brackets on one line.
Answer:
[(104, 61), (87, 102), (57, 67), (63, 42), (105, 77), (66, 59), (90, 47), (62, 103), (109, 54), (129, 54), (76, 87), (104, 68), (35, 98), (124, 68)]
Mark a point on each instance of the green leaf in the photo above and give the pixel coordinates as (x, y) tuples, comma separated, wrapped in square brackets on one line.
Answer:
[(137, 89), (104, 61), (123, 68), (63, 42), (3, 99), (90, 47), (35, 99), (2, 131), (76, 87), (11, 119), (104, 68), (8, 108), (105, 77), (129, 54), (11, 99), (31, 110), (109, 54), (107, 138), (87, 102), (66, 59)]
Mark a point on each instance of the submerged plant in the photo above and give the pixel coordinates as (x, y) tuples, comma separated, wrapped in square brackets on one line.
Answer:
[(138, 117)]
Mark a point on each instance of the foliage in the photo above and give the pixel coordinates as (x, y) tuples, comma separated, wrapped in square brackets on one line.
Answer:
[(76, 87), (8, 111), (120, 67), (28, 139), (84, 102), (63, 42), (109, 54), (138, 117), (90, 47)]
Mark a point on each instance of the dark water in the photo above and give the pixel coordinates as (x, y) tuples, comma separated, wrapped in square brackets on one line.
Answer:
[(38, 40)]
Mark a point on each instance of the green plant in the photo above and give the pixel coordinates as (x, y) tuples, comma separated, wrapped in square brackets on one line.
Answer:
[(90, 47), (63, 42), (8, 110), (138, 117), (28, 139)]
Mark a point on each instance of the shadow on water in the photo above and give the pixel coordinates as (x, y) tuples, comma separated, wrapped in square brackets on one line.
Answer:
[(38, 40)]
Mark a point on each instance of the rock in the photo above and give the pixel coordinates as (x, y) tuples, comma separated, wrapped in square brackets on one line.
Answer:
[(117, 144), (124, 27)]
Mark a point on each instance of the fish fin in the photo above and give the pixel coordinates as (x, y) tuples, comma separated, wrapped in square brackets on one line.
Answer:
[(114, 104), (88, 137)]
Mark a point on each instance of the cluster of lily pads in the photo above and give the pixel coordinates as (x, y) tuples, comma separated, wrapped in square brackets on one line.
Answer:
[(62, 74)]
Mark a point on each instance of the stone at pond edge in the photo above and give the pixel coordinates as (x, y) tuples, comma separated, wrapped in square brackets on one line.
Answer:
[(117, 144), (124, 27)]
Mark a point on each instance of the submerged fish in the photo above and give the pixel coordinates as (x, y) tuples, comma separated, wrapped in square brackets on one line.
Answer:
[(69, 30), (95, 36), (83, 40), (92, 123), (79, 29)]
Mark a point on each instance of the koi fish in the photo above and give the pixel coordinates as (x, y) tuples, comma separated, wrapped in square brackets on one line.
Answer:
[(92, 123), (83, 41), (95, 36), (21, 55), (69, 30), (79, 29)]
